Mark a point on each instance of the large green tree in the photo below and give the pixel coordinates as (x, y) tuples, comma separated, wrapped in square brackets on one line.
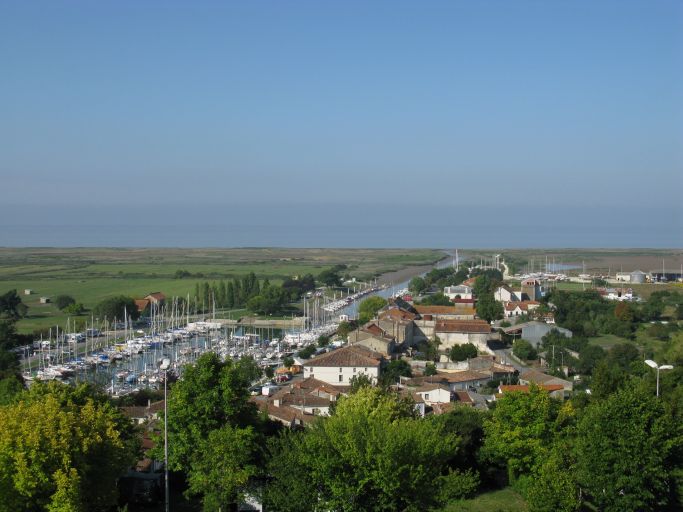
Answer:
[(369, 307), (371, 454), (62, 449), (116, 308), (625, 449), (213, 427)]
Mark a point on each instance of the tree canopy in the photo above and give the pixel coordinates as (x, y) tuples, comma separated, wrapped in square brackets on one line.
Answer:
[(116, 308), (371, 454), (369, 307), (62, 449)]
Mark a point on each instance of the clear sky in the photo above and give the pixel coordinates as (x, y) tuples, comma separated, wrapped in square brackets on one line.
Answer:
[(436, 107)]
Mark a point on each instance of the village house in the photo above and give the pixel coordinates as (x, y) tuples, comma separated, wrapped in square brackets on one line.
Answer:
[(539, 378), (506, 294), (459, 332), (460, 291), (340, 366), (534, 331), (533, 289), (374, 337), (514, 309)]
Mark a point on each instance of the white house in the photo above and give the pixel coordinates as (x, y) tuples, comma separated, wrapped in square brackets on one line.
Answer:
[(512, 309), (506, 294), (462, 291), (458, 332), (434, 393), (340, 366)]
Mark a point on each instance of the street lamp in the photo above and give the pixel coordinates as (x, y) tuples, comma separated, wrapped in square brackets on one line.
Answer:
[(165, 364), (654, 365)]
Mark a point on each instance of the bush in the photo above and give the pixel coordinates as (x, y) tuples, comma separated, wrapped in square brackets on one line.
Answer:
[(463, 352), (64, 301), (524, 350)]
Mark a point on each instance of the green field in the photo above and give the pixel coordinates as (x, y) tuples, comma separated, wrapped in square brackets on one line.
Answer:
[(505, 500), (90, 275)]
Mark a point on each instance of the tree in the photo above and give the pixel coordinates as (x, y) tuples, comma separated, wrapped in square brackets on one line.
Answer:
[(488, 308), (330, 277), (394, 371), (343, 329), (74, 309), (417, 285), (323, 341), (116, 308), (463, 352), (62, 301), (367, 310), (371, 454), (288, 362), (622, 355), (62, 448), (210, 407), (436, 299), (524, 350), (589, 357), (606, 379), (359, 381), (623, 451), (11, 306), (430, 369), (306, 352), (520, 431)]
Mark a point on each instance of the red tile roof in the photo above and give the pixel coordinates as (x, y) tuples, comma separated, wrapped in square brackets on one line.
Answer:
[(465, 326), (141, 304), (353, 355), (525, 389)]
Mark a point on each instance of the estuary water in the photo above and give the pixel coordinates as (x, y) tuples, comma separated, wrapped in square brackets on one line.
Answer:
[(335, 236)]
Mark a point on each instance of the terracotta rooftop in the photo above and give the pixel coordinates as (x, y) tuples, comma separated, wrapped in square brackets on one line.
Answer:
[(397, 314), (353, 355), (523, 305), (156, 296), (464, 397), (467, 326), (141, 304), (525, 389), (438, 310)]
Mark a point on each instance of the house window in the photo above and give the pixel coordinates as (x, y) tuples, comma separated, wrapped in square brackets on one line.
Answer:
[(426, 396), (354, 369), (341, 378), (340, 370)]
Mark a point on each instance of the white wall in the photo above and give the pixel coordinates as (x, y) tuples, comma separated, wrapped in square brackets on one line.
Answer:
[(330, 374)]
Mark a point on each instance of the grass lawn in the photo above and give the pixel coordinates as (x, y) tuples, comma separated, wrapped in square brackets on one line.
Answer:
[(505, 500)]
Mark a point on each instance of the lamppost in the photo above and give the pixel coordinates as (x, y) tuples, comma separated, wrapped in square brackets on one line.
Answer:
[(165, 364), (654, 365)]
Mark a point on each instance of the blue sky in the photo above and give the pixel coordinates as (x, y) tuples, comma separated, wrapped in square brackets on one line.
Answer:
[(433, 106)]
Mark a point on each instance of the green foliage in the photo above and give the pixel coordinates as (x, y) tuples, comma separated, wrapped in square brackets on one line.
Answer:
[(463, 352), (343, 329), (606, 379), (11, 306), (331, 276), (392, 372), (659, 331), (589, 357), (63, 301), (360, 381), (306, 352), (10, 388), (116, 308), (272, 300), (323, 341), (62, 448), (207, 410), (488, 308), (269, 372), (552, 486), (623, 451), (524, 350), (372, 454), (417, 285), (520, 431), (74, 309), (297, 287), (288, 361), (227, 463), (430, 369), (436, 299), (368, 308)]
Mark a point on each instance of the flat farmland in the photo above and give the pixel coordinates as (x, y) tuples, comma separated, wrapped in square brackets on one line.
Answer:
[(90, 275)]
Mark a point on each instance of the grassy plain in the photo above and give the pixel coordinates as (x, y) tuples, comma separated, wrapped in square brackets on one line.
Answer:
[(92, 274)]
